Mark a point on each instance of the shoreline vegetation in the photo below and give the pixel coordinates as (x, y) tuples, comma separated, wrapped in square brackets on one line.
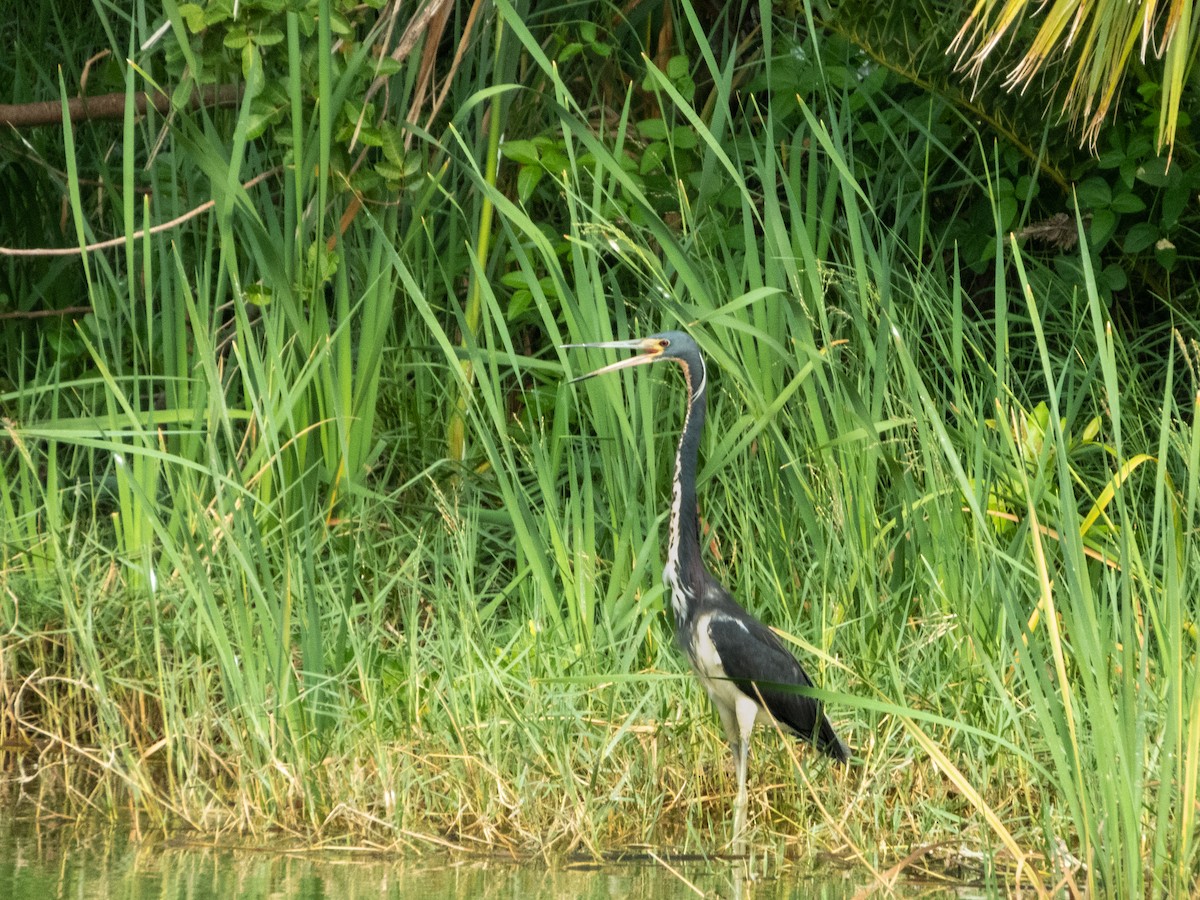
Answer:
[(303, 534)]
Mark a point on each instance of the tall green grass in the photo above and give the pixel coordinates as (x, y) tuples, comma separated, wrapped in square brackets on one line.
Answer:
[(246, 587)]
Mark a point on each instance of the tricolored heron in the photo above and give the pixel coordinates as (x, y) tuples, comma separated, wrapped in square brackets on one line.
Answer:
[(748, 673)]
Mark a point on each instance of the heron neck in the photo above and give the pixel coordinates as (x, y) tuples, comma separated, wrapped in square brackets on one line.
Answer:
[(684, 569)]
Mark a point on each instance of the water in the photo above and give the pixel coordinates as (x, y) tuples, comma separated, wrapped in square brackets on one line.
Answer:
[(47, 862)]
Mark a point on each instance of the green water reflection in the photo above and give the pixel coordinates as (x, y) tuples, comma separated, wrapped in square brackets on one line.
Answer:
[(40, 862)]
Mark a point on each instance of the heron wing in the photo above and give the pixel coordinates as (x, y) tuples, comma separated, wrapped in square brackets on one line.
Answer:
[(754, 658)]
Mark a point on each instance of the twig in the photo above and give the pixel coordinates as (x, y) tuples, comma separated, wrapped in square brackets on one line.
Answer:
[(1052, 534), (111, 106), (44, 313), (137, 235)]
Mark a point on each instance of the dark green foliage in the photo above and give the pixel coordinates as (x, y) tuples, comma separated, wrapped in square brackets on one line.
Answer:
[(1140, 225)]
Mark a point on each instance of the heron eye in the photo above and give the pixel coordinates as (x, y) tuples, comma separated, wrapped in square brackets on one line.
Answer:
[(663, 344)]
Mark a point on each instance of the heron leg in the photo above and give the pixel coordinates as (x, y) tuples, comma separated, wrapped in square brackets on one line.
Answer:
[(741, 756), (745, 715), (739, 745)]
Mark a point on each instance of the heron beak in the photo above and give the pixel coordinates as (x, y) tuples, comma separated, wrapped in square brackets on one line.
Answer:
[(651, 352)]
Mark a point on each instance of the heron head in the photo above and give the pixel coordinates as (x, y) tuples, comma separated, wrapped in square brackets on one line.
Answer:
[(674, 345)]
